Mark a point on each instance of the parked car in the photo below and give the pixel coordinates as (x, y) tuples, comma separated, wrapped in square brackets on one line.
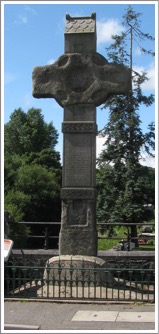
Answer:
[(146, 238)]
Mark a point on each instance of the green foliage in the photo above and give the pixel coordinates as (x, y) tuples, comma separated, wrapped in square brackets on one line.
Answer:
[(32, 169), (15, 203), (43, 188), (125, 187), (28, 132), (120, 200), (47, 157), (121, 234), (105, 244)]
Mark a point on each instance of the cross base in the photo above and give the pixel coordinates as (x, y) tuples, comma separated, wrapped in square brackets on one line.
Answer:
[(78, 233)]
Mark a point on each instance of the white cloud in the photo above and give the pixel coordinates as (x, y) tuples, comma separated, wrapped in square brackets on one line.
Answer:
[(138, 51), (22, 19), (8, 78), (51, 61), (105, 30), (145, 161), (150, 70), (150, 84), (99, 145)]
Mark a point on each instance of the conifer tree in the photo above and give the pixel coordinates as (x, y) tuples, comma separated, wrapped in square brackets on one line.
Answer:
[(124, 138)]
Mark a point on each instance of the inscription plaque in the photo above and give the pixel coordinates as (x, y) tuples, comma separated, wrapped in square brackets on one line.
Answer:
[(78, 162)]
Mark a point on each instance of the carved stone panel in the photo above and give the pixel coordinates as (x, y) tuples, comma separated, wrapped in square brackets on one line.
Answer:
[(78, 193), (79, 127), (78, 212), (79, 160)]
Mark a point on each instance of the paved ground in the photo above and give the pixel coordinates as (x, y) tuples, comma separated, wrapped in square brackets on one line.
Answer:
[(77, 316)]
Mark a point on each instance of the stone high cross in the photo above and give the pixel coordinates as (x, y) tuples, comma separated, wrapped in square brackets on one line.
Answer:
[(80, 80)]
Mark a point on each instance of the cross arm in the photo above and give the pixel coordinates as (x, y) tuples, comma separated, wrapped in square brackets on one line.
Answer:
[(77, 79)]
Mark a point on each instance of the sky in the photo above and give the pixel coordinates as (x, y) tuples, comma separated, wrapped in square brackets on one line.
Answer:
[(34, 36)]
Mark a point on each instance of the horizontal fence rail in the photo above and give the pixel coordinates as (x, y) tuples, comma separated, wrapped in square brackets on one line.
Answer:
[(48, 231), (69, 282), (49, 236)]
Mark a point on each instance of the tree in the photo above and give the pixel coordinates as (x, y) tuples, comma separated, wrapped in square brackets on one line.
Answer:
[(28, 132), (32, 169), (36, 194), (124, 137), (110, 196)]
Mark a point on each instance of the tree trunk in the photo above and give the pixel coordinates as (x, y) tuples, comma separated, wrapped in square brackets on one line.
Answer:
[(134, 235)]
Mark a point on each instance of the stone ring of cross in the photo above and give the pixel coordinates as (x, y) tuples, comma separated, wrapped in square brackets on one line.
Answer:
[(77, 78)]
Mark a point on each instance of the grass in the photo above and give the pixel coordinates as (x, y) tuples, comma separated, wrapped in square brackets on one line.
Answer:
[(106, 244), (145, 248)]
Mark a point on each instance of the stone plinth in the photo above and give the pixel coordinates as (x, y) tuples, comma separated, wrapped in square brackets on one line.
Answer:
[(77, 271)]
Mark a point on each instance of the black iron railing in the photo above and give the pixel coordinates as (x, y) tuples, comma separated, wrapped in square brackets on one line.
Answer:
[(109, 283)]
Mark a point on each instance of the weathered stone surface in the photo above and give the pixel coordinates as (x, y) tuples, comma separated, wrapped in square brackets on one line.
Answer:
[(79, 79), (79, 160), (85, 27), (79, 127), (78, 193), (79, 150), (78, 239), (77, 212), (78, 233), (78, 25), (79, 269), (80, 113)]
